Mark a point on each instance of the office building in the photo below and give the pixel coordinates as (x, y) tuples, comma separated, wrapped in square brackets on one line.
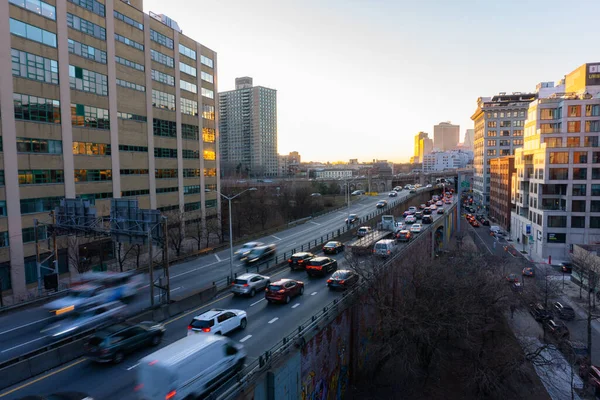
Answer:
[(418, 146), (468, 142), (446, 160), (445, 136), (104, 101), (557, 188), (499, 122), (501, 172), (334, 174), (248, 129)]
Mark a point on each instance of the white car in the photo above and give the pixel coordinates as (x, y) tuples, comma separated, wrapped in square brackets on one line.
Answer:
[(433, 207), (400, 226), (218, 321), (429, 186), (439, 203), (245, 249), (416, 228), (410, 219)]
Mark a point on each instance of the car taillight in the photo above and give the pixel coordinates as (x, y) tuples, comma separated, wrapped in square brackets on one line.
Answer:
[(373, 251), (281, 291), (342, 281), (300, 261), (388, 252), (171, 394), (205, 329), (139, 387), (189, 327), (246, 285), (329, 281)]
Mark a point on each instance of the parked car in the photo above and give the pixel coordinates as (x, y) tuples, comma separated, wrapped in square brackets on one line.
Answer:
[(84, 319), (539, 312), (246, 248), (342, 279), (299, 260), (529, 271), (283, 290), (59, 396), (563, 311), (218, 321), (260, 254), (363, 231), (333, 247), (427, 219), (249, 284), (352, 218), (320, 266), (381, 204), (403, 236), (114, 342), (557, 328), (416, 228), (393, 194), (566, 267)]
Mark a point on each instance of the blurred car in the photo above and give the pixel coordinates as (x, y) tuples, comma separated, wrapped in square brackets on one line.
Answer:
[(381, 204), (315, 194), (419, 215), (566, 267), (78, 297), (298, 260), (400, 226), (439, 203), (342, 279), (59, 396), (356, 193), (412, 209), (512, 278), (484, 222), (114, 342), (427, 219), (433, 207), (416, 228), (249, 284), (363, 231), (516, 286), (245, 249), (259, 254), (218, 321), (563, 311), (440, 210), (591, 376), (352, 218), (429, 186), (557, 328), (283, 290), (320, 266), (333, 247), (95, 316), (539, 312), (403, 236), (412, 191), (422, 206), (410, 219), (474, 223), (448, 201), (528, 271), (393, 194)]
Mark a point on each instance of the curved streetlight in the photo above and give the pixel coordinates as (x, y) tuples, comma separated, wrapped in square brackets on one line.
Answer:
[(229, 198)]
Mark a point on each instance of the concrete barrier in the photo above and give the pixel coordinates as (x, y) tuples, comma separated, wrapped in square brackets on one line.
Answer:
[(71, 351), (43, 362), (14, 374)]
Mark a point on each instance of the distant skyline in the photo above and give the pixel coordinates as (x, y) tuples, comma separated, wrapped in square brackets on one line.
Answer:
[(359, 79)]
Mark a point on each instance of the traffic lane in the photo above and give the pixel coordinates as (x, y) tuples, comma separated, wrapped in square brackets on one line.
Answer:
[(32, 319)]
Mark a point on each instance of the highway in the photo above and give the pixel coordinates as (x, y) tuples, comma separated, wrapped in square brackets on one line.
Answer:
[(20, 330), (267, 324)]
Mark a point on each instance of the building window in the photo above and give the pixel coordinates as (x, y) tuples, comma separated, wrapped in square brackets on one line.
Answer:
[(38, 109), (211, 203), (89, 117), (129, 21), (40, 146), (558, 174), (39, 7), (492, 133), (208, 112), (557, 157), (132, 117), (165, 173), (596, 157), (191, 154), (208, 93), (189, 107), (549, 113), (161, 152), (93, 175), (92, 197), (134, 172), (91, 149), (595, 173), (87, 51), (88, 81), (85, 26), (162, 58), (128, 63), (595, 190), (32, 33), (210, 172), (191, 173), (163, 78), (206, 61), (491, 143), (192, 206), (504, 142), (132, 193), (91, 5), (131, 148), (504, 133), (557, 221), (491, 152), (192, 189), (129, 42), (573, 141), (595, 206), (190, 87), (30, 206), (592, 110), (592, 126), (551, 128), (31, 66), (186, 51), (190, 132), (29, 236), (167, 190), (210, 188), (518, 132), (161, 39), (163, 100), (41, 176), (590, 141), (165, 128), (579, 189), (168, 208), (130, 85), (574, 126), (205, 76), (3, 212), (574, 111), (188, 69), (580, 157), (517, 142), (208, 135), (577, 222), (577, 205), (594, 222), (504, 124)]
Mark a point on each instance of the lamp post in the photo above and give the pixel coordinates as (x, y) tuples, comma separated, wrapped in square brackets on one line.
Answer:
[(229, 198), (348, 196)]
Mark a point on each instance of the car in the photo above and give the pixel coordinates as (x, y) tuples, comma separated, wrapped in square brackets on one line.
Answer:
[(563, 311), (474, 223), (428, 203), (245, 249), (416, 228), (528, 271), (81, 320), (363, 231), (419, 214), (412, 209), (557, 328), (333, 247), (320, 266), (298, 260), (356, 193), (429, 186), (249, 284), (381, 204), (399, 226), (260, 254), (393, 194), (79, 297), (440, 210), (433, 207), (448, 201), (315, 194), (512, 278), (539, 312), (218, 321), (397, 188), (422, 206), (59, 396), (516, 287), (566, 267), (403, 236), (427, 219), (410, 219), (352, 218), (412, 191), (439, 203), (283, 290), (114, 342), (342, 279), (484, 222), (427, 211)]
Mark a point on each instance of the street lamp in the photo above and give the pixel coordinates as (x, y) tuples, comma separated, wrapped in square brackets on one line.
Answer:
[(348, 196), (229, 198)]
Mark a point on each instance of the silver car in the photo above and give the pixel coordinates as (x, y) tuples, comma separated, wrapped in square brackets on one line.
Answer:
[(85, 319), (245, 249), (250, 284)]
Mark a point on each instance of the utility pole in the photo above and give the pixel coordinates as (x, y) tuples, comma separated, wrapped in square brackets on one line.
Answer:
[(151, 267), (54, 246), (38, 264), (166, 259)]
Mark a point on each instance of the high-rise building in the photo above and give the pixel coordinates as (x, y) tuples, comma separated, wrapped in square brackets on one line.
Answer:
[(445, 136), (557, 184), (248, 128), (499, 123), (469, 135), (445, 160), (417, 148), (103, 101), (425, 147), (502, 169)]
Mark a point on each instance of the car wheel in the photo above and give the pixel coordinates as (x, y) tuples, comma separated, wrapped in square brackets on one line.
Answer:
[(301, 290), (118, 357), (287, 299), (243, 323), (155, 340), (252, 292)]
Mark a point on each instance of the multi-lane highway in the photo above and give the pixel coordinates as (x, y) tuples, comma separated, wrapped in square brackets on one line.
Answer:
[(267, 324), (20, 331)]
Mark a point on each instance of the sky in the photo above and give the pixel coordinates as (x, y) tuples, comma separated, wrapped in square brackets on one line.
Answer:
[(359, 78)]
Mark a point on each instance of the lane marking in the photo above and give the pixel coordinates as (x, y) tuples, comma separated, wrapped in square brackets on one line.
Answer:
[(132, 367), (195, 269), (313, 293), (276, 237), (23, 326), (273, 320), (22, 344), (256, 302), (245, 338), (313, 222), (217, 257), (197, 308), (295, 305)]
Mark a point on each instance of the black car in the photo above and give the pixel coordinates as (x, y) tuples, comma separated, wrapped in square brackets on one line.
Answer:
[(427, 211), (320, 266), (299, 260), (259, 254), (566, 267), (563, 311), (419, 215), (427, 219), (333, 247), (557, 329), (381, 204), (342, 279), (114, 342), (59, 396), (539, 312), (352, 218)]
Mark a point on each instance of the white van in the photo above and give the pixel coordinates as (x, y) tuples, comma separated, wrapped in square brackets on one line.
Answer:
[(384, 248), (495, 229), (189, 368)]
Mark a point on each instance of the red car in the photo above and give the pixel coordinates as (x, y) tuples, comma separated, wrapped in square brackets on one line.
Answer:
[(283, 290)]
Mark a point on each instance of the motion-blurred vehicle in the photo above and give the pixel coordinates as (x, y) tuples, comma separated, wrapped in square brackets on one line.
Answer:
[(566, 267), (429, 186), (403, 236), (563, 311), (114, 342), (410, 219), (342, 279), (59, 396), (356, 193), (433, 207), (398, 189), (529, 271), (381, 204), (448, 201), (319, 266), (189, 368), (363, 231), (427, 219), (283, 290), (245, 249), (539, 312), (218, 321), (516, 287), (352, 218), (416, 228), (260, 254), (439, 203), (315, 194), (393, 194), (249, 284), (512, 278), (333, 247), (298, 260), (79, 297), (81, 320)]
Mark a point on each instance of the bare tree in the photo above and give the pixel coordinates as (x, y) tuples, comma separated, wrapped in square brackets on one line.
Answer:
[(124, 251), (587, 264), (176, 231), (79, 258), (195, 230), (213, 228)]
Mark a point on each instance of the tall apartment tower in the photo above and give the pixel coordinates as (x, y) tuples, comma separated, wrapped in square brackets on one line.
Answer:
[(104, 101), (445, 136), (499, 123), (557, 180), (469, 136), (248, 129)]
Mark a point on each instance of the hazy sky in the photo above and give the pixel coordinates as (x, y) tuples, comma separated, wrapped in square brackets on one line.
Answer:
[(358, 79)]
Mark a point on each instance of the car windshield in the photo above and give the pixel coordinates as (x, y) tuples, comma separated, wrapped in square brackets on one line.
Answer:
[(199, 324), (248, 246), (331, 244), (240, 281), (96, 341), (340, 275), (255, 253), (82, 293), (274, 288)]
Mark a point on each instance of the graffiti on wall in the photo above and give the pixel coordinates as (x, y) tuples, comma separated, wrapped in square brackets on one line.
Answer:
[(325, 361)]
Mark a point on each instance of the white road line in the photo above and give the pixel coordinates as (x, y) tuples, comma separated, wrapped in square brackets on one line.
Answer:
[(273, 320), (313, 293), (132, 367), (217, 257), (295, 305), (172, 290), (22, 344), (256, 302), (245, 338), (275, 237), (313, 222), (23, 326)]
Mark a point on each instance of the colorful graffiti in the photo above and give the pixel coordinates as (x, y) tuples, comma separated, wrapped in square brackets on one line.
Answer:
[(325, 361)]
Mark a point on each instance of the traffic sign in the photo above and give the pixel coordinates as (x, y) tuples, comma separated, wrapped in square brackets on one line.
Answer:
[(531, 238), (465, 184)]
